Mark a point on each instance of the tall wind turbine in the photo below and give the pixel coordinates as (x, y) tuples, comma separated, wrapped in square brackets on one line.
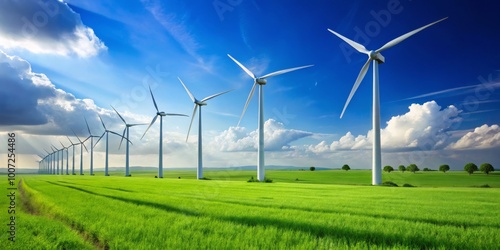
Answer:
[(49, 162), (127, 128), (161, 115), (67, 158), (56, 151), (72, 145), (198, 103), (261, 81), (82, 145), (91, 136), (377, 58), (106, 132)]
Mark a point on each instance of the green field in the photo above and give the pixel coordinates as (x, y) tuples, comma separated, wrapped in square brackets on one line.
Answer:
[(299, 210)]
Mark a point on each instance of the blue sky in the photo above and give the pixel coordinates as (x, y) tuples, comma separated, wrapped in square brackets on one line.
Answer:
[(440, 89)]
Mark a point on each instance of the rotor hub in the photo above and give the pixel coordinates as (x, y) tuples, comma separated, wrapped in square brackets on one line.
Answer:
[(161, 113), (377, 56)]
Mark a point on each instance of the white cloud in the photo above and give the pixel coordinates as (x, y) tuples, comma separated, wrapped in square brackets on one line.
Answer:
[(46, 27), (276, 138), (424, 126), (31, 103), (481, 138)]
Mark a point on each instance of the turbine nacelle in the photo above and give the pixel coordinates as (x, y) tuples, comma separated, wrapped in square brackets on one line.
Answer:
[(261, 81), (374, 55)]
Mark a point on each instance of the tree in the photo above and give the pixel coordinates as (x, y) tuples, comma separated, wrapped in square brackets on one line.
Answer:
[(312, 168), (388, 169), (412, 168), (402, 168), (486, 168), (427, 169), (346, 167), (470, 168), (443, 168)]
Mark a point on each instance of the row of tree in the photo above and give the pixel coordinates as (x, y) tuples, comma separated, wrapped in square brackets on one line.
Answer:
[(469, 168)]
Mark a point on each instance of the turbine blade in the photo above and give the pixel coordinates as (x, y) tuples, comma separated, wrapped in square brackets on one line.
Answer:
[(187, 90), (85, 147), (100, 137), (213, 96), (248, 101), (192, 118), (123, 136), (88, 128), (354, 44), (243, 67), (100, 118), (137, 124), (403, 37), (173, 114), (70, 140), (62, 144), (76, 136), (151, 124), (119, 115), (154, 102), (361, 75), (120, 136), (279, 72)]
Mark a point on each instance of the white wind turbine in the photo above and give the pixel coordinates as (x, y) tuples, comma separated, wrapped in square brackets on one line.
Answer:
[(377, 59), (91, 136), (72, 145), (161, 115), (261, 81), (82, 145), (198, 103), (67, 158), (106, 132), (49, 162), (56, 151), (127, 128)]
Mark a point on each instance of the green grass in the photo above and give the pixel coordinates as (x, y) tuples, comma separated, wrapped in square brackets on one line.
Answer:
[(228, 213), (352, 177)]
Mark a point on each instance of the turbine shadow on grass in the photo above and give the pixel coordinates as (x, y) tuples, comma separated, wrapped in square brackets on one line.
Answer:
[(133, 201), (117, 189), (317, 230), (435, 222)]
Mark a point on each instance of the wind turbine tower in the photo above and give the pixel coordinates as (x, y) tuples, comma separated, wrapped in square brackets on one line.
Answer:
[(126, 130), (161, 115), (198, 103), (377, 58), (261, 81)]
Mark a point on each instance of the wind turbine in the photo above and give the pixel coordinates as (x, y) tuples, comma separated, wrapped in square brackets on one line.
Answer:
[(73, 145), (161, 115), (261, 81), (127, 128), (82, 145), (56, 151), (49, 162), (91, 136), (198, 103), (106, 132), (67, 158), (377, 58)]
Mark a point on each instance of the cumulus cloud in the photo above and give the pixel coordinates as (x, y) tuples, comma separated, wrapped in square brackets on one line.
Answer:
[(46, 27), (481, 138), (424, 126), (276, 138), (31, 103)]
